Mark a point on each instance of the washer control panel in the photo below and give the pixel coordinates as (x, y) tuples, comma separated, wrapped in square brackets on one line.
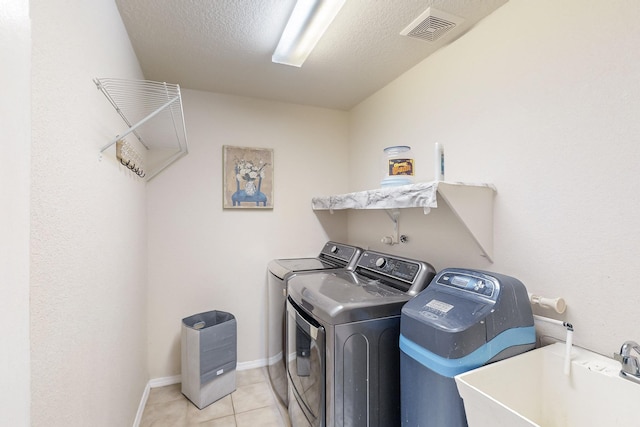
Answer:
[(397, 268)]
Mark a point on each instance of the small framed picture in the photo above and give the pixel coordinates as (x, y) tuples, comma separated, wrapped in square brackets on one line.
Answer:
[(247, 177)]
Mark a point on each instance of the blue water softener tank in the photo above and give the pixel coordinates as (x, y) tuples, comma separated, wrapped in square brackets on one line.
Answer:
[(464, 319)]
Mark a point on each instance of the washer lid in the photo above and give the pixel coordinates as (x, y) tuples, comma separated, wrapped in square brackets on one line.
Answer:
[(332, 255), (282, 267), (344, 296)]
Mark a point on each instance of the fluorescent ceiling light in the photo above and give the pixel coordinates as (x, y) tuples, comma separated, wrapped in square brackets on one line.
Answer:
[(307, 23)]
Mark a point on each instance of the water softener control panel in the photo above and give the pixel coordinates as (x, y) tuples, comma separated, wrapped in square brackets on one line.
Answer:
[(479, 285), (467, 309)]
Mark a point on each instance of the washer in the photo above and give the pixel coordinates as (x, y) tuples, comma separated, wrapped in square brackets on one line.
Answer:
[(343, 329), (332, 256)]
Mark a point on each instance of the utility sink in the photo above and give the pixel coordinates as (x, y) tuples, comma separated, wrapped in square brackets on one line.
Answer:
[(531, 389)]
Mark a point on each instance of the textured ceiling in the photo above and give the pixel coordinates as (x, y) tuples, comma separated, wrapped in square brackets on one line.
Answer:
[(225, 46)]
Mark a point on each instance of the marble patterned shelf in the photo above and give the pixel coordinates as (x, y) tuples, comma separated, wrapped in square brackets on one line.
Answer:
[(422, 195), (471, 203)]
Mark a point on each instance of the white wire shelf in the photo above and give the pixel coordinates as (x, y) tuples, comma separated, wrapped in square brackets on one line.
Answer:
[(153, 113)]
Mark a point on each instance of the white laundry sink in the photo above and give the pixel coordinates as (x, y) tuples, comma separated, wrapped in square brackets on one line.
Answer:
[(532, 389)]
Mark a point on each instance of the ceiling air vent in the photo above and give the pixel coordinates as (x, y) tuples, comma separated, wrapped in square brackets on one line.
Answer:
[(431, 25)]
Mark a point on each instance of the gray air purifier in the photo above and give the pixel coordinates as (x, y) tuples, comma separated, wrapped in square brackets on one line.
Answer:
[(209, 356)]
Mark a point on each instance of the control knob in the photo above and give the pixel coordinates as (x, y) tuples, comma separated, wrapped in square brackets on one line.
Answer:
[(334, 249), (381, 262)]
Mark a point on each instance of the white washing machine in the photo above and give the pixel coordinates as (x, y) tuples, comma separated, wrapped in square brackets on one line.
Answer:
[(333, 256)]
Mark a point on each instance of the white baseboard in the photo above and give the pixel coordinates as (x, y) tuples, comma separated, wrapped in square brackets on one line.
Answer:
[(243, 366), (143, 402), (164, 381), (175, 379), (275, 359)]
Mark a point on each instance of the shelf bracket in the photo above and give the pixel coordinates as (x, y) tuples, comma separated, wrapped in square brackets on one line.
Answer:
[(473, 206), (394, 239), (140, 123)]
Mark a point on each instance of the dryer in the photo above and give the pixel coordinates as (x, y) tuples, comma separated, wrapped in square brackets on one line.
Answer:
[(332, 256)]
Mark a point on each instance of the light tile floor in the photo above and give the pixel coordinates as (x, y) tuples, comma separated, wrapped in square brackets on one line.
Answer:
[(253, 404)]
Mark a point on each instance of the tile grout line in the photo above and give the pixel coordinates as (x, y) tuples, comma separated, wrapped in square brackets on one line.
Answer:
[(261, 382), (233, 405)]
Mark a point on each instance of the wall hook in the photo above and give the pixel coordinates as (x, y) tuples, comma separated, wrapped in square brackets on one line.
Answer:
[(129, 157)]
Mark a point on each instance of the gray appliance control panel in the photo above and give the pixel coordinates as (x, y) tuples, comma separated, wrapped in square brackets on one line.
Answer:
[(470, 283), (393, 267), (338, 251), (408, 275)]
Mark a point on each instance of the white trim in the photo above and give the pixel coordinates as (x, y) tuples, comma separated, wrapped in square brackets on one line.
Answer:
[(164, 381), (154, 383), (143, 403), (243, 366), (175, 379), (275, 359)]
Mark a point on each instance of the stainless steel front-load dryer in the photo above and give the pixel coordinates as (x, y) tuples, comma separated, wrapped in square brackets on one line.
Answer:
[(332, 256)]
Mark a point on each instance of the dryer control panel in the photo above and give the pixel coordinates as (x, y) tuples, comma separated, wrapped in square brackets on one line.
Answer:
[(342, 255)]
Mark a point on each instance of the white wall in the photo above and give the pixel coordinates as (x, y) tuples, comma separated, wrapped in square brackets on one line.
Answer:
[(88, 235), (15, 105), (203, 257), (542, 100)]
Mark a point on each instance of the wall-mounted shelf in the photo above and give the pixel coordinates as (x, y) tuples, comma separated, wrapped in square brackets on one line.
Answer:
[(153, 113), (471, 203)]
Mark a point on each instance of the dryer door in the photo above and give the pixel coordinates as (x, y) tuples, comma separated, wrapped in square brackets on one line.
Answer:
[(306, 368), (276, 334)]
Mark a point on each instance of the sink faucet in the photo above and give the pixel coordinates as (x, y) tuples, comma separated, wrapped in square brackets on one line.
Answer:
[(630, 364)]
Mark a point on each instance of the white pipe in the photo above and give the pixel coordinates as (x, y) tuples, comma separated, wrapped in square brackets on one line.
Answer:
[(556, 304), (568, 341), (548, 320), (567, 352), (395, 239)]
